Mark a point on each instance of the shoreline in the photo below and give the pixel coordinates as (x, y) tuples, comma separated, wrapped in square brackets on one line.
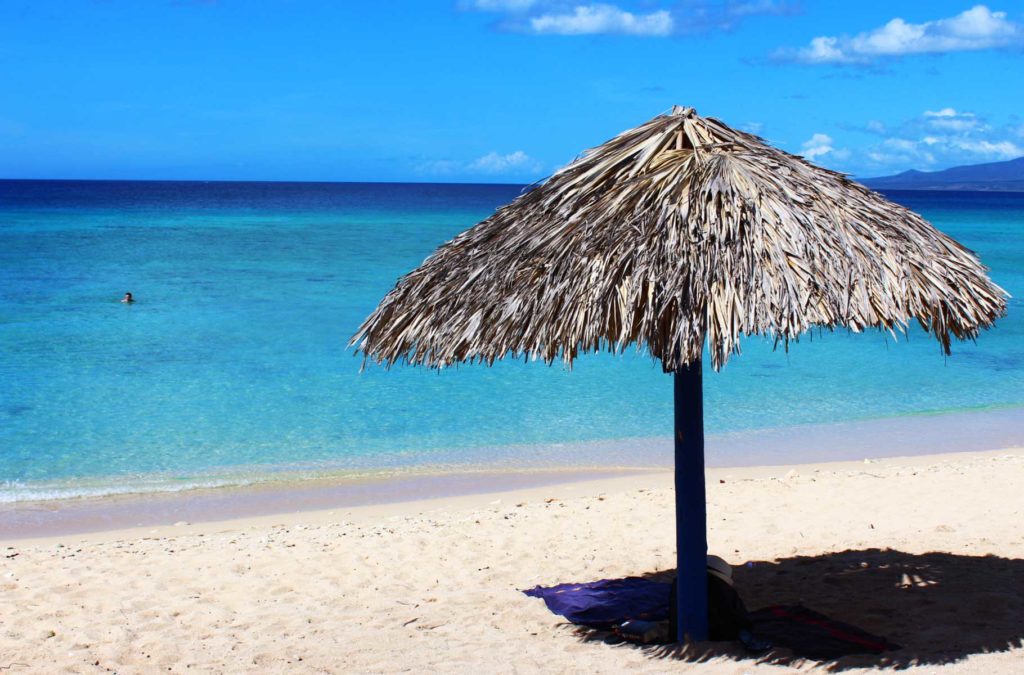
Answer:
[(220, 509), (922, 435)]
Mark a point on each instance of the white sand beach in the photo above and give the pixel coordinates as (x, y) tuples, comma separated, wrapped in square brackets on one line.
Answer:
[(927, 551)]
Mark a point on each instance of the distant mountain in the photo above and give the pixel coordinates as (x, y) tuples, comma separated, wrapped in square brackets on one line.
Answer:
[(996, 176)]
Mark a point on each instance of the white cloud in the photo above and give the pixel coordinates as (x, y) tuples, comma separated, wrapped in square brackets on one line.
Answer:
[(494, 162), (974, 29), (644, 18), (516, 163), (822, 50), (950, 119), (883, 159), (752, 127), (817, 145), (938, 139), (820, 146), (989, 149), (955, 125), (904, 144), (603, 19)]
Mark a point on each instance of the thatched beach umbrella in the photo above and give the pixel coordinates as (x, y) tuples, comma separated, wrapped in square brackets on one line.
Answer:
[(679, 235)]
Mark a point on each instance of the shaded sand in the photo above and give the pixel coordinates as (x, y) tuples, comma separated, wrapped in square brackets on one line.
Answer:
[(927, 551)]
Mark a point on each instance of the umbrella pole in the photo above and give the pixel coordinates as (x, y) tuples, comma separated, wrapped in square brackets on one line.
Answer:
[(691, 516)]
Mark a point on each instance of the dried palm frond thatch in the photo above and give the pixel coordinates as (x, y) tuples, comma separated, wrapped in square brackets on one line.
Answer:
[(674, 233)]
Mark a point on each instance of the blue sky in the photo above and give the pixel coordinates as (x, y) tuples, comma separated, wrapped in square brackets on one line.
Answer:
[(492, 90)]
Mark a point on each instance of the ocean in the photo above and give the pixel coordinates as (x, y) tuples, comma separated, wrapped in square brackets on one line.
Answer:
[(233, 367)]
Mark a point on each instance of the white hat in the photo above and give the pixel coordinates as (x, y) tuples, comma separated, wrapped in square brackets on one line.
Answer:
[(719, 568)]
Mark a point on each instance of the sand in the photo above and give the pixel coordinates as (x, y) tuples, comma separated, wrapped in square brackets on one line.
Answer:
[(927, 551)]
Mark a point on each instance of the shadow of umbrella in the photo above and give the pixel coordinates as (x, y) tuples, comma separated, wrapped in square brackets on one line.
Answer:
[(940, 607)]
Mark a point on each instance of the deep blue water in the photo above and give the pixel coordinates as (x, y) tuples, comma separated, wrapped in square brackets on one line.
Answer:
[(233, 362)]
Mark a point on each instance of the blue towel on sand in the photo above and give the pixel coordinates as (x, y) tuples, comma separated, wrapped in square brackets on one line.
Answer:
[(603, 604)]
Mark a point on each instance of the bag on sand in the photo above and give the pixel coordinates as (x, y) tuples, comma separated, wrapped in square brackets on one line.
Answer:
[(727, 615)]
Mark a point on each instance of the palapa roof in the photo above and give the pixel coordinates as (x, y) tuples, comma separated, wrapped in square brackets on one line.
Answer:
[(679, 232)]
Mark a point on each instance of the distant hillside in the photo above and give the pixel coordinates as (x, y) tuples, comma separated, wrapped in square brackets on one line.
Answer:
[(996, 176)]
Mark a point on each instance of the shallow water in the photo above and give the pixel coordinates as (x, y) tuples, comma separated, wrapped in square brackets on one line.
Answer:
[(233, 366)]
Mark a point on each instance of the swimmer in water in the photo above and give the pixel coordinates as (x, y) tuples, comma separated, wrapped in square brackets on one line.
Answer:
[(128, 298)]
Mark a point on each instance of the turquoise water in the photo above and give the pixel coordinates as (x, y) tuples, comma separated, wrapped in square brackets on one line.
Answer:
[(233, 365)]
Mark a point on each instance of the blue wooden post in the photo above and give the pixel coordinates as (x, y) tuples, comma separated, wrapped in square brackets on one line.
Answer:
[(691, 516)]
